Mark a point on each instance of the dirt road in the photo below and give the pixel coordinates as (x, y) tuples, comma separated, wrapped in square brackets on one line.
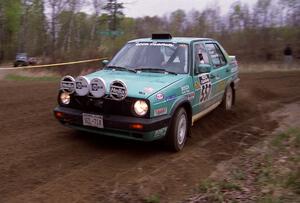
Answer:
[(40, 160)]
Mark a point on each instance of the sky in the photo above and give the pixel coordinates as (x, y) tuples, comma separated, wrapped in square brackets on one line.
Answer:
[(140, 8)]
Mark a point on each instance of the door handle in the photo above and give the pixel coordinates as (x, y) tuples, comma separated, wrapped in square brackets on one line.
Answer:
[(212, 76)]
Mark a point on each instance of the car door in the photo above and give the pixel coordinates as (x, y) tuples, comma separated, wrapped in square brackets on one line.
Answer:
[(202, 82), (219, 72)]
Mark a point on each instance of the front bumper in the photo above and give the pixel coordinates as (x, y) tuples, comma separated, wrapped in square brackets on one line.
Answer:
[(117, 126)]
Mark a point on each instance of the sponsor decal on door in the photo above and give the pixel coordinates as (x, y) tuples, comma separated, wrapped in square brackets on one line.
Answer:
[(206, 87)]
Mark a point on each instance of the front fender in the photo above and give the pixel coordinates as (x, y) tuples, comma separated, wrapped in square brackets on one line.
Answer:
[(181, 102)]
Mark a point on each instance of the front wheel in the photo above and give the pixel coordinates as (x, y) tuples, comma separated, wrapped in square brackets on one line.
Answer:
[(178, 131), (24, 64), (16, 64)]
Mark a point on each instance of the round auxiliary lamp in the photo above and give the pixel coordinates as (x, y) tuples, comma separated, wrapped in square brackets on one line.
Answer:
[(82, 85), (67, 84), (97, 87)]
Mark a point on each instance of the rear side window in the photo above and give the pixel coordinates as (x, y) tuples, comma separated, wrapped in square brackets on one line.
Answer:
[(216, 55)]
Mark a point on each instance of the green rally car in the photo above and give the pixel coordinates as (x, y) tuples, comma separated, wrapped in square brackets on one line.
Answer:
[(154, 88)]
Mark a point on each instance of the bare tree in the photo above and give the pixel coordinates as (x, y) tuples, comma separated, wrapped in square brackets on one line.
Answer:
[(72, 7), (1, 31), (97, 6), (55, 7), (177, 22), (25, 5), (114, 10)]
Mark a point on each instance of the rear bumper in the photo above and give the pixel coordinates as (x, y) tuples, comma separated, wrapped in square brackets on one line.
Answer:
[(118, 126)]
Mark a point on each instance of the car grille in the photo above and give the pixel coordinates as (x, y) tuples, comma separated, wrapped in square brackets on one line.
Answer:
[(104, 105)]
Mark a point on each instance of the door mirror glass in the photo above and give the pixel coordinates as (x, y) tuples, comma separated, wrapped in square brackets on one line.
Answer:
[(104, 62), (202, 68)]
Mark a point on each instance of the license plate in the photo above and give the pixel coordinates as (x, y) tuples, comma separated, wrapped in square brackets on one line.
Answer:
[(92, 120)]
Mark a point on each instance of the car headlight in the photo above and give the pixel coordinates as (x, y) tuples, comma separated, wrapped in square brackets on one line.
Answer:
[(65, 98), (140, 107)]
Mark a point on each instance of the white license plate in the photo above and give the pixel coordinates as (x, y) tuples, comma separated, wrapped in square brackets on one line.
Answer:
[(92, 120)]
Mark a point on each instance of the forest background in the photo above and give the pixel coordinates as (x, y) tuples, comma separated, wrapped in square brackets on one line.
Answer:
[(61, 30)]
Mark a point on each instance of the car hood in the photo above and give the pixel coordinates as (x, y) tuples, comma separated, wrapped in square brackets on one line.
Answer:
[(139, 85)]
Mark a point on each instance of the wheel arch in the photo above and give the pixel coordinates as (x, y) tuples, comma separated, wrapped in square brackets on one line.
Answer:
[(186, 104), (232, 85)]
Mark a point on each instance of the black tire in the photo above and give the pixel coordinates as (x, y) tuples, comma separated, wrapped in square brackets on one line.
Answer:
[(228, 99), (176, 137), (16, 64)]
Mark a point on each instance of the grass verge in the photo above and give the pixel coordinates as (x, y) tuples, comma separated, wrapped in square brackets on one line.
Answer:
[(152, 199), (13, 77), (267, 173)]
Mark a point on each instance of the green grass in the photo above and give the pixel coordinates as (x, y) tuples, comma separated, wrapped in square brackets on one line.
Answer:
[(152, 199), (27, 78), (209, 185), (282, 137), (279, 139), (229, 186), (269, 199), (274, 174), (239, 174), (293, 181), (297, 139), (206, 185)]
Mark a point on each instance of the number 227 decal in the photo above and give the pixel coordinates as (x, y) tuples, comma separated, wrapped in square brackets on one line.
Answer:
[(206, 87)]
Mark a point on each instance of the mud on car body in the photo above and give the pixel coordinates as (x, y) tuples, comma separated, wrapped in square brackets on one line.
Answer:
[(154, 88)]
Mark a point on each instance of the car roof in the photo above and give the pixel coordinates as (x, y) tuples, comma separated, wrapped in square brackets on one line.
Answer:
[(186, 40)]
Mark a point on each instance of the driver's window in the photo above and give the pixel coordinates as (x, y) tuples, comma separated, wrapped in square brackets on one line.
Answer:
[(200, 55)]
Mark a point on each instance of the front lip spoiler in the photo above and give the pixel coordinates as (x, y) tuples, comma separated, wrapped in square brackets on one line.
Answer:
[(74, 116)]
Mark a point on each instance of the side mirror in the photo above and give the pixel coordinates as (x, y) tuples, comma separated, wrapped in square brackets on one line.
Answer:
[(105, 62), (202, 68)]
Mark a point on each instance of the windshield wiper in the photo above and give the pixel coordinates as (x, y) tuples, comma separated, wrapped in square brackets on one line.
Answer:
[(156, 70), (121, 68)]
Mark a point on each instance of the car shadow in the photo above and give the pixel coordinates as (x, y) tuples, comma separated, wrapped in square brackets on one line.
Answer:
[(109, 143)]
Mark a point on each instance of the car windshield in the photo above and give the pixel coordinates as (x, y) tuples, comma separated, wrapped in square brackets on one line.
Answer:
[(148, 56), (21, 55)]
